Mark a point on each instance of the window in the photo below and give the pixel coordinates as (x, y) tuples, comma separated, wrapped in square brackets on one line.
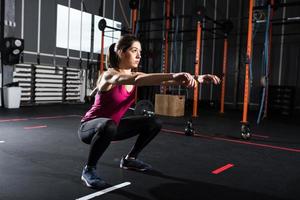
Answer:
[(77, 34)]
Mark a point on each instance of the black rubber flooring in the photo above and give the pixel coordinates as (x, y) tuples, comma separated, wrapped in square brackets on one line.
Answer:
[(41, 158)]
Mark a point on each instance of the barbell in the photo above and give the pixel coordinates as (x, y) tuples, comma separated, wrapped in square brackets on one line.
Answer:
[(102, 25), (143, 107), (146, 108)]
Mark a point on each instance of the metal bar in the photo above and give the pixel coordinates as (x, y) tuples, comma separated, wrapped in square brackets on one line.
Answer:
[(22, 19), (284, 19), (64, 84), (68, 31), (225, 52), (214, 20), (102, 43), (102, 53), (281, 47), (39, 27), (286, 23), (133, 19), (163, 18), (57, 56), (167, 26), (55, 30), (290, 4), (116, 29), (166, 42), (181, 44), (249, 55), (197, 62), (213, 53), (80, 43), (173, 36), (238, 54), (113, 18), (274, 34), (211, 30), (103, 11), (202, 50), (2, 18), (269, 61), (33, 83)]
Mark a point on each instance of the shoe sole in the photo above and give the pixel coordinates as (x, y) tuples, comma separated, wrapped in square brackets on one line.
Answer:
[(132, 168), (86, 183), (93, 187)]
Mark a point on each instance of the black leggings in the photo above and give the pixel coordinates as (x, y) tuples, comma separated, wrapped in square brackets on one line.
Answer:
[(100, 132)]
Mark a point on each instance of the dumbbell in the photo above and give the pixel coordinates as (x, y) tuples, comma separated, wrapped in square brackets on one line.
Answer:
[(189, 130), (144, 107)]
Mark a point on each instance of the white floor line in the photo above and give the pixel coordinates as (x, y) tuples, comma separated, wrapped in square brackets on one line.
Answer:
[(101, 192), (1, 141)]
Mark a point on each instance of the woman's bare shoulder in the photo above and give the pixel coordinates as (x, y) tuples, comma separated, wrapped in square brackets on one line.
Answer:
[(104, 84), (109, 73)]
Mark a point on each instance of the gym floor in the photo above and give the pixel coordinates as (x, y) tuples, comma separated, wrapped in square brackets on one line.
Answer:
[(42, 158)]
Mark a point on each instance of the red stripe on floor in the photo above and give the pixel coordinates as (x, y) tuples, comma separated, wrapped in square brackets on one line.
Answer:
[(261, 136), (222, 169), (172, 131), (56, 117), (42, 117), (12, 120), (237, 141), (34, 127)]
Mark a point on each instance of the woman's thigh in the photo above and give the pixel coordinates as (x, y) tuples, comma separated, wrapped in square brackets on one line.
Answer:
[(88, 129), (134, 125)]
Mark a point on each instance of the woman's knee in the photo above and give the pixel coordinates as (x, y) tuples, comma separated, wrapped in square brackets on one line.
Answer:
[(156, 123), (104, 134), (109, 128)]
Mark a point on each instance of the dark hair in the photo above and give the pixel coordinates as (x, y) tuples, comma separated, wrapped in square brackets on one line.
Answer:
[(123, 44)]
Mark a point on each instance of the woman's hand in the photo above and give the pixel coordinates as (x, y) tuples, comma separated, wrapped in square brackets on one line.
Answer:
[(207, 78), (185, 79)]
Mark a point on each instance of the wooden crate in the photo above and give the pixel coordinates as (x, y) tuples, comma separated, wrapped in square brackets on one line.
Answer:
[(161, 104), (169, 105)]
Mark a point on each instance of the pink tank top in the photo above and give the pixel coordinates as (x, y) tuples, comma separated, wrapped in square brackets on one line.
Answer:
[(111, 104)]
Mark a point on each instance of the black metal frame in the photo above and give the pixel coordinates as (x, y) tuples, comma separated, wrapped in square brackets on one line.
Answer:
[(278, 5), (2, 11)]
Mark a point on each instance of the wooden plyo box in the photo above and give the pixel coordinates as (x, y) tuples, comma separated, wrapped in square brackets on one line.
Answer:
[(169, 105)]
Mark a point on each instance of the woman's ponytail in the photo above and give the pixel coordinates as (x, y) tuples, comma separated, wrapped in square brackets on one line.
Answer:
[(113, 58)]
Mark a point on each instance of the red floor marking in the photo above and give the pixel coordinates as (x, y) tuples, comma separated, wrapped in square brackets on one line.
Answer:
[(13, 120), (238, 141), (43, 117), (222, 169), (261, 136), (34, 127), (56, 117), (172, 131)]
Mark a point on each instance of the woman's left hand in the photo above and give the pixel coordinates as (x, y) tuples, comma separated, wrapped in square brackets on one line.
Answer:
[(207, 78), (185, 79)]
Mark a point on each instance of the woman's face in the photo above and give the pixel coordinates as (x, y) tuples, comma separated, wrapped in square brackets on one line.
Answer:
[(132, 56)]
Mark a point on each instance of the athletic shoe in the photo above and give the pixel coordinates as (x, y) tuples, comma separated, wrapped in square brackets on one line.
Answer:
[(134, 164), (90, 178)]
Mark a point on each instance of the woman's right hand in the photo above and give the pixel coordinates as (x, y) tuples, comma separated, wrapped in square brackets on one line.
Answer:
[(185, 79)]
